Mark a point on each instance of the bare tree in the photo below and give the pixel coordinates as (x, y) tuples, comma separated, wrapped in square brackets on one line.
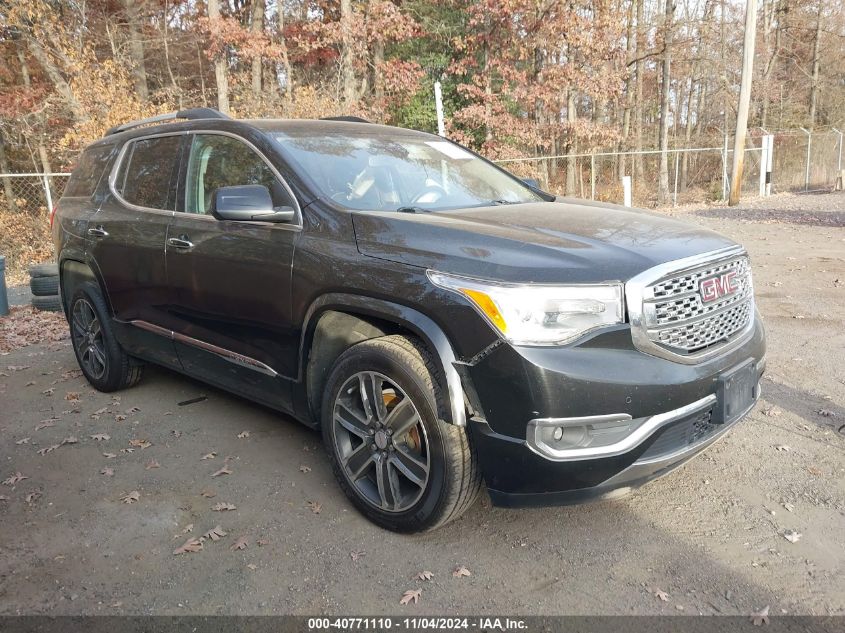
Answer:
[(665, 89), (136, 49), (220, 65)]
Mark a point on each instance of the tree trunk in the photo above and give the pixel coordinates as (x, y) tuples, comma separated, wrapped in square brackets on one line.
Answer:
[(378, 76), (54, 74), (663, 180), (221, 76), (286, 65), (814, 89), (776, 14), (488, 95), (136, 50), (688, 133), (347, 70), (7, 182), (630, 46), (638, 102), (571, 161), (257, 28)]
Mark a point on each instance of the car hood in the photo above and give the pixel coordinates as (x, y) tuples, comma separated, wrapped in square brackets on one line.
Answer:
[(546, 242)]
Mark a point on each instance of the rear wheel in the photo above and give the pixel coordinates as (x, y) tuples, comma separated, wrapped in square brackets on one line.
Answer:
[(399, 463), (102, 360)]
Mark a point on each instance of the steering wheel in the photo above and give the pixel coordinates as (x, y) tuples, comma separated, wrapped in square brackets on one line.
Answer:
[(432, 193)]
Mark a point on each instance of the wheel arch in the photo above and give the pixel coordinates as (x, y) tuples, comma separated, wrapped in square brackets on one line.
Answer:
[(336, 321), (72, 274)]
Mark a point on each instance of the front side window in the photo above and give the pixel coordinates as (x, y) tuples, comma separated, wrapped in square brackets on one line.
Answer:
[(147, 173), (222, 161), (384, 173), (86, 176)]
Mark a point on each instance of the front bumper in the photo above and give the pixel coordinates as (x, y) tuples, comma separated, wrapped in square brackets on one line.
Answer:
[(511, 387)]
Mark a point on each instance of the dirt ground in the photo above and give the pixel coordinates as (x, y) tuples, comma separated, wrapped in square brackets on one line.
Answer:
[(709, 538)]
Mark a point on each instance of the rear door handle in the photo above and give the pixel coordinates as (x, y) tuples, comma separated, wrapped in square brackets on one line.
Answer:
[(98, 231), (181, 242)]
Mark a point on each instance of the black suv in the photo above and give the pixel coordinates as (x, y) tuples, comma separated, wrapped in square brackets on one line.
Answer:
[(439, 320)]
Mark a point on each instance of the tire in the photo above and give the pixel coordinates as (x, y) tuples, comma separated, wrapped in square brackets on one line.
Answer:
[(429, 470), (104, 363), (44, 270), (44, 286), (52, 303)]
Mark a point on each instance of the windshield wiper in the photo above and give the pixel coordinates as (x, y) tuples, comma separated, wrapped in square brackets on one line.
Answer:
[(413, 209)]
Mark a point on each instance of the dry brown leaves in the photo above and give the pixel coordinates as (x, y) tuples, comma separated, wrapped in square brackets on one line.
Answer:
[(224, 507), (24, 240), (461, 571), (223, 471), (424, 575), (240, 543), (14, 479), (189, 546), (315, 506), (412, 595), (131, 497), (101, 437), (215, 533)]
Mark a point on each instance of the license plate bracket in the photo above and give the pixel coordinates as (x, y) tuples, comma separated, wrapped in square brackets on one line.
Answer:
[(736, 392)]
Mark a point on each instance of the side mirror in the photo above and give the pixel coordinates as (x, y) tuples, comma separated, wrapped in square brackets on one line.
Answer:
[(532, 182), (248, 202)]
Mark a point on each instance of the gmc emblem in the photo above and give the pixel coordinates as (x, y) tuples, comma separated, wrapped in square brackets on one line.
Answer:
[(717, 287)]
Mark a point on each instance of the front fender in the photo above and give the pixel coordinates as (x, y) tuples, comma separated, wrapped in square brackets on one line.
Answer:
[(404, 316)]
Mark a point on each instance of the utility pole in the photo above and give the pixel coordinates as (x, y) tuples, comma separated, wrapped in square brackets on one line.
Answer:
[(744, 100)]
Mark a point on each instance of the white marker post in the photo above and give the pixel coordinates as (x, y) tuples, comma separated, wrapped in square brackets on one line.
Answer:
[(438, 105), (626, 190)]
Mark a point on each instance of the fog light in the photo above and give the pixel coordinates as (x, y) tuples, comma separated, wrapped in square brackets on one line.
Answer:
[(558, 437)]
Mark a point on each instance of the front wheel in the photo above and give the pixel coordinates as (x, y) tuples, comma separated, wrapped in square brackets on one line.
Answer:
[(399, 463), (105, 364)]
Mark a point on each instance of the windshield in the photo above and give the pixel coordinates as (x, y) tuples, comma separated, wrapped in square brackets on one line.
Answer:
[(400, 173)]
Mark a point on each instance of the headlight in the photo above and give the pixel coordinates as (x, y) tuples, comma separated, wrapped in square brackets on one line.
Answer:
[(539, 315)]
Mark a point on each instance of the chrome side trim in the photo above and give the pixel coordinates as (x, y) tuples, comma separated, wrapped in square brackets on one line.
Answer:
[(232, 357), (638, 436), (636, 291)]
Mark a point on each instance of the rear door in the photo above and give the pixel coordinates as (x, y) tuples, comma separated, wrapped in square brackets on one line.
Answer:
[(127, 241), (230, 282)]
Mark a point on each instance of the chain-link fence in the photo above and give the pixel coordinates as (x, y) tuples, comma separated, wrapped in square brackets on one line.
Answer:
[(795, 160), (31, 193)]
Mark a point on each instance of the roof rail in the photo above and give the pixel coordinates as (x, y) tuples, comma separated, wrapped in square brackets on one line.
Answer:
[(348, 119), (190, 114)]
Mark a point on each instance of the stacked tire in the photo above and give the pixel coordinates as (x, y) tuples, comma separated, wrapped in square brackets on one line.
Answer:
[(44, 285)]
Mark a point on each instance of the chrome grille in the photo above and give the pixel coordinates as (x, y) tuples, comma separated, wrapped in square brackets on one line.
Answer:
[(669, 317)]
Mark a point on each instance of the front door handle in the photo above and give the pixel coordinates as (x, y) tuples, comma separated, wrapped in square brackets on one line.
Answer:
[(181, 242), (98, 231)]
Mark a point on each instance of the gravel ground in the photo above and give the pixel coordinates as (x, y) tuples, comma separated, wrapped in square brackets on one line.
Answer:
[(710, 538)]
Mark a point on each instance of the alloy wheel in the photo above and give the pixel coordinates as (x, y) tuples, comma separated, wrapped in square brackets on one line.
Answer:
[(381, 442), (88, 339)]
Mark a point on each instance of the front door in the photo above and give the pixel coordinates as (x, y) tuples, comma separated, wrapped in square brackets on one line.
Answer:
[(230, 281)]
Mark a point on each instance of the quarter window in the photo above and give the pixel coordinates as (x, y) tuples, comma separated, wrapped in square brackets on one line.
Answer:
[(147, 174), (222, 161), (85, 177)]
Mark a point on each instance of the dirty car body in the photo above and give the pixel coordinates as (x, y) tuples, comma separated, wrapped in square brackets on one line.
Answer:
[(583, 349)]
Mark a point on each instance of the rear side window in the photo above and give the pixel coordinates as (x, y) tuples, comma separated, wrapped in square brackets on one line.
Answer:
[(85, 178), (147, 174)]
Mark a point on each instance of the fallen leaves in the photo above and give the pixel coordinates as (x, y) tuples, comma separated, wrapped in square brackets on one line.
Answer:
[(412, 595), (48, 449), (142, 444), (424, 575), (188, 547), (101, 437), (225, 470), (356, 556), (215, 533), (761, 617), (70, 440), (240, 543), (243, 435), (208, 494), (33, 496), (131, 497), (72, 396), (461, 571), (661, 595), (224, 507), (210, 455), (15, 479), (304, 469), (782, 448), (44, 424), (108, 472), (152, 464), (23, 440), (109, 455), (315, 507), (792, 536)]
